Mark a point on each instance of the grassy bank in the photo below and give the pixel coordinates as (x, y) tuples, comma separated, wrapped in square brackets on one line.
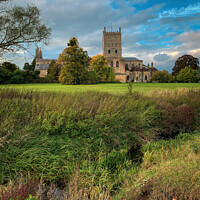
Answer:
[(99, 144), (120, 88)]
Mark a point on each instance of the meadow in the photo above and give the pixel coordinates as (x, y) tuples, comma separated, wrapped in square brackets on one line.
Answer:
[(99, 145), (117, 88)]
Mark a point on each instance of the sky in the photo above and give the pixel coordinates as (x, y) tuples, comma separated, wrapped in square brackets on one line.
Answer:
[(157, 31)]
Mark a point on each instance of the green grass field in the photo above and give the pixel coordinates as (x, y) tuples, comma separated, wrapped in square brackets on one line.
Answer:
[(111, 88)]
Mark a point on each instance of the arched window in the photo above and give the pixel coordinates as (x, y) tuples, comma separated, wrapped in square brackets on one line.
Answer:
[(111, 64), (116, 51), (127, 78), (117, 64), (145, 77), (126, 66), (108, 51)]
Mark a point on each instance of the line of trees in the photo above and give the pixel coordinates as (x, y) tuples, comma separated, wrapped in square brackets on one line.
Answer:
[(186, 70), (74, 66), (10, 73)]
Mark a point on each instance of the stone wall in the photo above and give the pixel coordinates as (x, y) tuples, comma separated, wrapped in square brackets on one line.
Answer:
[(121, 78), (43, 73)]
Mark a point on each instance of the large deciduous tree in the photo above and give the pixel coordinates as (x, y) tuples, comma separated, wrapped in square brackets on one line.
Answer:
[(21, 26), (185, 61), (74, 62)]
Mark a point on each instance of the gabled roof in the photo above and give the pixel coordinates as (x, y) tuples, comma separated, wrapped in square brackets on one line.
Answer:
[(130, 58), (153, 68), (41, 66)]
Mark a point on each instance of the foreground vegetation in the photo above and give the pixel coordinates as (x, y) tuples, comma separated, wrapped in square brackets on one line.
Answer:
[(93, 145), (117, 88)]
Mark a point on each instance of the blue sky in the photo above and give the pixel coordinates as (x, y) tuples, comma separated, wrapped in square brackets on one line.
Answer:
[(152, 30)]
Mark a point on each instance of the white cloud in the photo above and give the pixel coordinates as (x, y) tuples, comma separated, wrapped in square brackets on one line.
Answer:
[(182, 12), (142, 37)]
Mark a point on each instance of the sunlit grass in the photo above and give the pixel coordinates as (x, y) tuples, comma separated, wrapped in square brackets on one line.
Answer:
[(118, 88)]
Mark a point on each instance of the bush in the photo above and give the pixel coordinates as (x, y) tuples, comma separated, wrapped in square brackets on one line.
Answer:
[(92, 77), (4, 75), (20, 189), (161, 76), (18, 77)]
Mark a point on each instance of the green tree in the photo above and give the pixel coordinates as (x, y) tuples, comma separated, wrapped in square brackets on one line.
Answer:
[(110, 74), (74, 62), (187, 75), (33, 65), (10, 66), (26, 66), (198, 74), (185, 61), (21, 26), (53, 71), (5, 75), (99, 65), (161, 76), (18, 77), (92, 77)]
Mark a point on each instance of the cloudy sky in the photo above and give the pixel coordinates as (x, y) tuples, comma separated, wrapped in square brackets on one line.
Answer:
[(152, 30)]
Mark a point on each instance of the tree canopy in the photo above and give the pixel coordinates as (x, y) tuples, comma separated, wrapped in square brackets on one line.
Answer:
[(104, 73), (29, 67), (185, 61), (21, 26), (187, 75), (53, 71), (99, 64), (74, 63), (9, 66), (161, 76)]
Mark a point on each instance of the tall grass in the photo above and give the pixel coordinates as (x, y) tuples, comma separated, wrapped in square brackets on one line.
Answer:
[(103, 136)]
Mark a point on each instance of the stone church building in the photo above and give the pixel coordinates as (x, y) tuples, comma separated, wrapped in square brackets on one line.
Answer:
[(127, 69), (41, 64)]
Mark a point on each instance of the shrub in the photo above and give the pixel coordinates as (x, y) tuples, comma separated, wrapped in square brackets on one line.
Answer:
[(19, 189), (92, 77), (18, 77)]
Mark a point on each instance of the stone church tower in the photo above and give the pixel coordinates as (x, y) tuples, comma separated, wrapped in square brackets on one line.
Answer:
[(127, 69), (112, 46), (112, 50), (38, 54)]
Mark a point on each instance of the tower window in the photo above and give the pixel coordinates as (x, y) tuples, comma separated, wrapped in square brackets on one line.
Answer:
[(108, 51), (145, 77), (117, 64), (126, 66), (111, 64), (115, 51)]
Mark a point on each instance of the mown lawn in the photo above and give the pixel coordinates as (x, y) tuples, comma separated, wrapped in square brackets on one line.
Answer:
[(109, 87)]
